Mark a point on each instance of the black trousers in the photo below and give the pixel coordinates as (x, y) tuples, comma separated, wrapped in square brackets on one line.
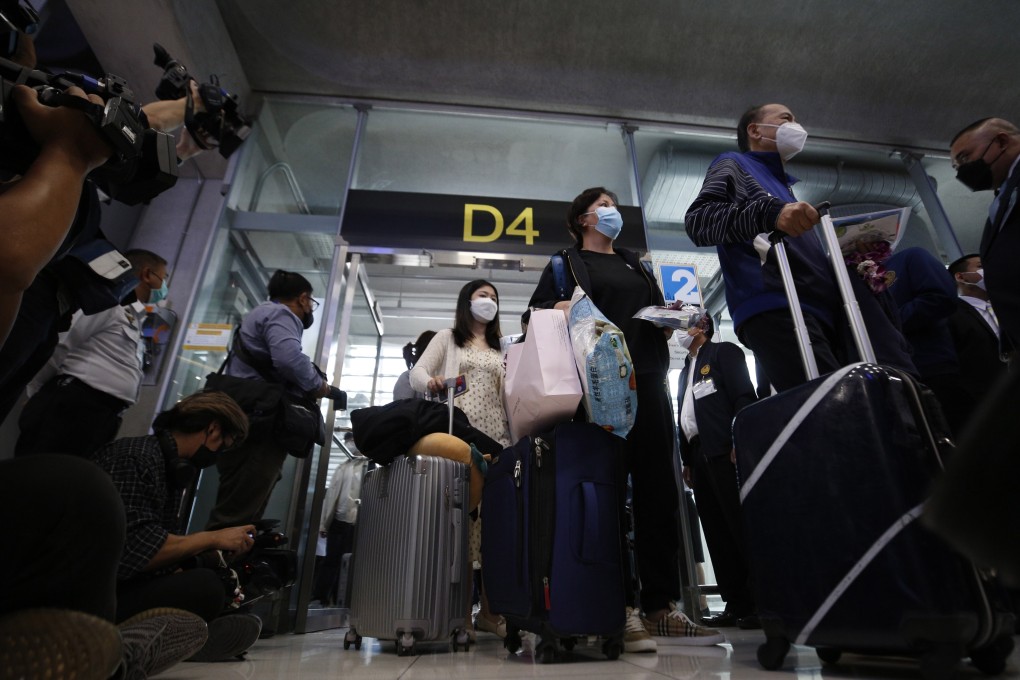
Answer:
[(247, 477), (339, 540), (198, 591), (63, 535), (68, 416), (771, 336), (656, 500), (714, 480)]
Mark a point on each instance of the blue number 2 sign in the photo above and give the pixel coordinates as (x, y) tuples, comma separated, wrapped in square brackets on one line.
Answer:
[(680, 282)]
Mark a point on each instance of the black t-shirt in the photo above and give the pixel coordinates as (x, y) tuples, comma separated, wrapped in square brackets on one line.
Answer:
[(619, 291)]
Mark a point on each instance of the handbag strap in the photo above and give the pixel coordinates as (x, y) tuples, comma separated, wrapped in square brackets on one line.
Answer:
[(261, 366)]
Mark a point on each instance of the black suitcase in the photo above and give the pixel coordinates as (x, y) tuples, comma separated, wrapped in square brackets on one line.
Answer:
[(833, 477)]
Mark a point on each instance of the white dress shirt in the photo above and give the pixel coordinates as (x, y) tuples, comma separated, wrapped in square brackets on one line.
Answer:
[(688, 421), (103, 350)]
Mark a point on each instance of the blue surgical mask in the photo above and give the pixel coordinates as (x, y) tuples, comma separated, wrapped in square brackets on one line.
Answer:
[(159, 293), (610, 222)]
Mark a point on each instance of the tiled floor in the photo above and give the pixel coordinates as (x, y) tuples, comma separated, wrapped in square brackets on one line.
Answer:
[(321, 655)]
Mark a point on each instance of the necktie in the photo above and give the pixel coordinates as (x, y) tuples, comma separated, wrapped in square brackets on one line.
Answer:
[(991, 316)]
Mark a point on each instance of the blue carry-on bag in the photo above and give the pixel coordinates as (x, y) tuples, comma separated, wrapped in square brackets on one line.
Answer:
[(551, 539)]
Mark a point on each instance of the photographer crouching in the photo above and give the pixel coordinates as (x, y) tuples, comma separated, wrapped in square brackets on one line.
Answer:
[(151, 474)]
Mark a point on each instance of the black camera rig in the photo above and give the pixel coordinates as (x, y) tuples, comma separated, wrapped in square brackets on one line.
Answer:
[(221, 124), (144, 160)]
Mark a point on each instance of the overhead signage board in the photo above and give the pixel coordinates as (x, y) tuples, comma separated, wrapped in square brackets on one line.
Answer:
[(392, 219)]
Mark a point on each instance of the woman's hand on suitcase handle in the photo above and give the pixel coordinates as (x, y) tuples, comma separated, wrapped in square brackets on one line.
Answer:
[(437, 384)]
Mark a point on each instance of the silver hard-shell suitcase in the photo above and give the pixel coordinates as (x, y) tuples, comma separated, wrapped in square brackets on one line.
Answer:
[(409, 565)]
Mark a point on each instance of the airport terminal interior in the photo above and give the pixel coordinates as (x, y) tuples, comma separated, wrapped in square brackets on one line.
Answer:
[(401, 148)]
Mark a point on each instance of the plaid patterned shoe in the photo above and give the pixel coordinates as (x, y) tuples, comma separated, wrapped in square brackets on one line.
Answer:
[(676, 629)]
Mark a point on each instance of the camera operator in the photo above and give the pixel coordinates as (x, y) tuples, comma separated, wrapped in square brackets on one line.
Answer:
[(40, 207), (51, 208), (151, 473)]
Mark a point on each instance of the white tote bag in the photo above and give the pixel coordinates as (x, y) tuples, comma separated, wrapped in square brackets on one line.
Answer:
[(542, 386)]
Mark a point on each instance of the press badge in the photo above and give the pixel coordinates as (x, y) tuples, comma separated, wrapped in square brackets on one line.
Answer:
[(703, 388)]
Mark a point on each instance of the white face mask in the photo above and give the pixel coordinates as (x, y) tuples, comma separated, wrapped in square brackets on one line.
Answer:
[(790, 139), (484, 309), (981, 282), (686, 341)]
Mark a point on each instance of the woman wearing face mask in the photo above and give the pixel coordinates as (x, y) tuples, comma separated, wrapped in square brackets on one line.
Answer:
[(619, 285), (471, 348), (270, 336)]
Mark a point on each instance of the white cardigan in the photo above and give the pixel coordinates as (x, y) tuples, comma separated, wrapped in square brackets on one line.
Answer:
[(441, 357)]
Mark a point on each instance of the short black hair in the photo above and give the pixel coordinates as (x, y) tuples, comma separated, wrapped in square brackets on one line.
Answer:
[(709, 326), (579, 206), (141, 258), (287, 286), (959, 265), (463, 319), (973, 126), (750, 116)]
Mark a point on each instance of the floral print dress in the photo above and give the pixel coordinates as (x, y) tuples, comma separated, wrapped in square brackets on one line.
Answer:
[(483, 406)]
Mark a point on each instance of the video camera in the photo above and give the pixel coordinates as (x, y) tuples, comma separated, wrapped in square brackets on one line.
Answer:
[(144, 160), (221, 125), (268, 567)]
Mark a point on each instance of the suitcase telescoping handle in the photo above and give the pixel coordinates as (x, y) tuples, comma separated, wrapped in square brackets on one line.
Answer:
[(451, 385), (850, 305)]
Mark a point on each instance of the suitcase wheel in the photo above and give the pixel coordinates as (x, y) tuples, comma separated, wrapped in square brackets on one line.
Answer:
[(460, 639), (545, 652), (405, 645), (612, 648), (512, 641), (772, 653), (828, 655), (351, 637), (991, 660)]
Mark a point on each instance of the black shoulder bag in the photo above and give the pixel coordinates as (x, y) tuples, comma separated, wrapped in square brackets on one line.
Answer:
[(294, 422)]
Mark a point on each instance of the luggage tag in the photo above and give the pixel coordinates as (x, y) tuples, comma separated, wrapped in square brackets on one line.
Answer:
[(703, 388)]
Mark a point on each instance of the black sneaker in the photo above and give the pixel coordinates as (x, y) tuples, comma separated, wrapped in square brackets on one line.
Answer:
[(159, 638), (58, 643), (229, 637)]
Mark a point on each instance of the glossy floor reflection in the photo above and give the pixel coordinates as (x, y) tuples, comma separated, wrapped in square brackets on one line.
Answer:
[(321, 655)]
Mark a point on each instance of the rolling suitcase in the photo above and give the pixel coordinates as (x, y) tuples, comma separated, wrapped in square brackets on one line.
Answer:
[(409, 566), (833, 476), (551, 539)]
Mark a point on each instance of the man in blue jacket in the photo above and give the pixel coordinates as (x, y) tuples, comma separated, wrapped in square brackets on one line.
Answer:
[(746, 196)]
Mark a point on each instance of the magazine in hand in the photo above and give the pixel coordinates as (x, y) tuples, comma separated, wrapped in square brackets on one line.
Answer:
[(884, 225), (677, 318)]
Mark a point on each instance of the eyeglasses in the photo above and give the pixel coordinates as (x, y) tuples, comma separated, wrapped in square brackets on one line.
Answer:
[(315, 303)]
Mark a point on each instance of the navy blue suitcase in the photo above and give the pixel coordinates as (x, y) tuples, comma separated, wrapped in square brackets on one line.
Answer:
[(833, 477), (551, 539)]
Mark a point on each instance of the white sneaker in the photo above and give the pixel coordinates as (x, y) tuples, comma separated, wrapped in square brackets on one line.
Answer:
[(635, 635)]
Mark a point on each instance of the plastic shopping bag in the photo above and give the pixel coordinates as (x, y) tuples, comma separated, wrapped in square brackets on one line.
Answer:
[(603, 360), (542, 386)]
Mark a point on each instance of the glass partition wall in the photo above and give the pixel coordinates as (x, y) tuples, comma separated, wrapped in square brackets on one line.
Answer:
[(297, 202)]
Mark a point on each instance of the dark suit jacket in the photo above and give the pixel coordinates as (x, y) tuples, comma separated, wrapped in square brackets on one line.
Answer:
[(977, 348), (725, 365), (1000, 252)]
